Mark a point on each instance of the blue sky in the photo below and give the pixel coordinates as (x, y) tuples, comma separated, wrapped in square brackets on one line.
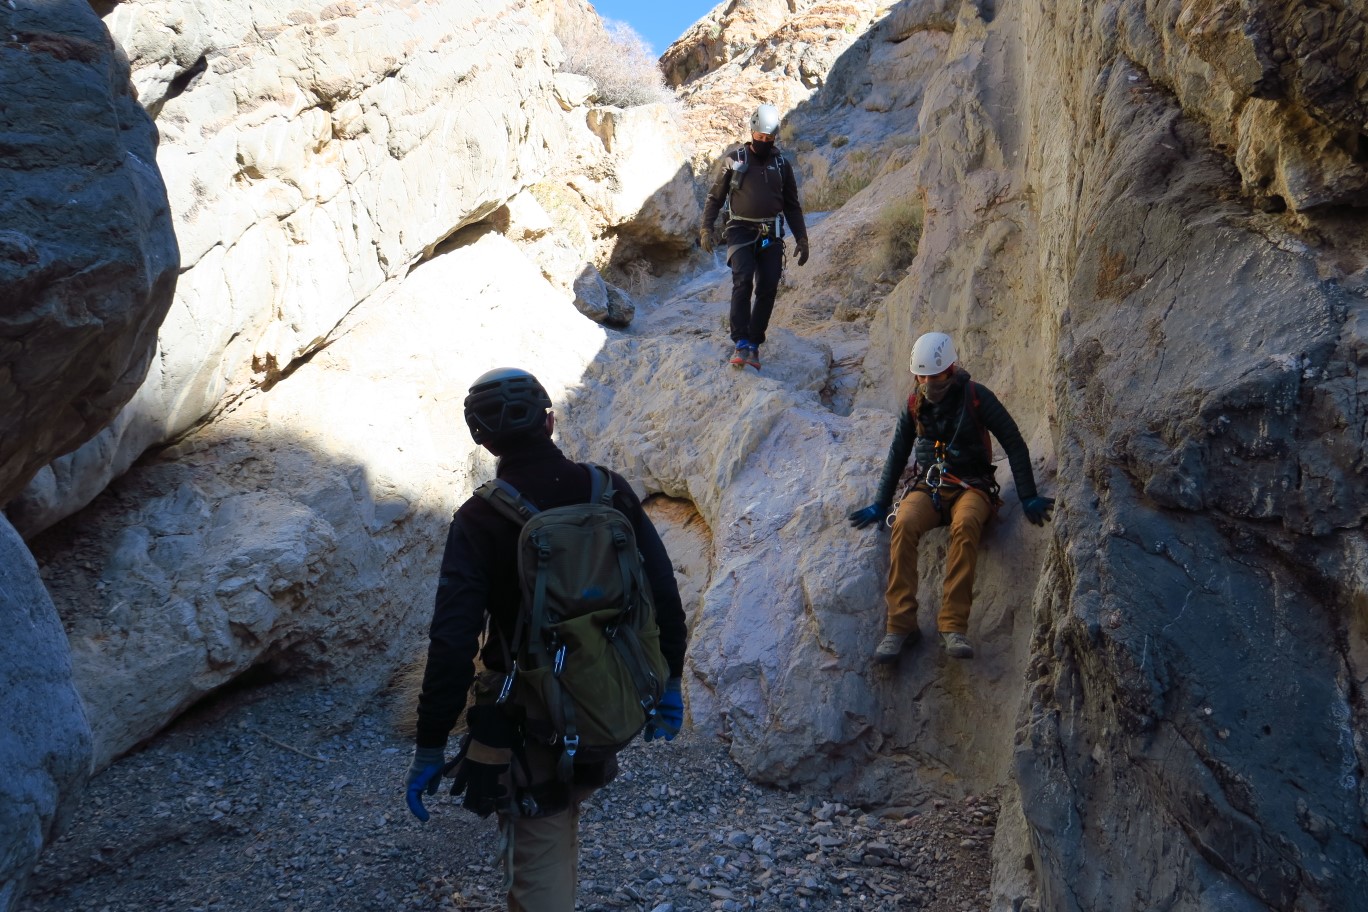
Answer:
[(660, 23)]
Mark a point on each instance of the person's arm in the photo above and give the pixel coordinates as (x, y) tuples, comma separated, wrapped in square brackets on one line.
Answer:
[(793, 210), (1000, 424), (669, 607), (898, 451), (458, 618), (674, 631), (718, 195)]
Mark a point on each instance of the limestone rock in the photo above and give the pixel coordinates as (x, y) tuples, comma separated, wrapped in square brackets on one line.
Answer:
[(574, 91), (295, 138), (45, 750), (303, 531), (88, 259), (647, 196), (602, 301)]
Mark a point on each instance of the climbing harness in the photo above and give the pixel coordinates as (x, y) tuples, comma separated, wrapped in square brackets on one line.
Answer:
[(937, 475), (768, 229)]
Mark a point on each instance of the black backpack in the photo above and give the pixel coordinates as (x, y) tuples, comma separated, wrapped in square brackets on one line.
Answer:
[(585, 665)]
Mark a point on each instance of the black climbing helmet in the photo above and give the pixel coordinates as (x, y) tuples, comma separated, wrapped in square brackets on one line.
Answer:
[(504, 402)]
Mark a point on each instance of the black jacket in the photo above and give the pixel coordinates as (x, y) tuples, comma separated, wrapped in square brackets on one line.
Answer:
[(955, 422), (767, 188), (480, 578)]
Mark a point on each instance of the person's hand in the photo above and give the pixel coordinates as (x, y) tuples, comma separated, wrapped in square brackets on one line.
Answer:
[(1038, 510), (480, 780), (424, 775), (705, 238), (802, 248), (669, 714), (869, 515)]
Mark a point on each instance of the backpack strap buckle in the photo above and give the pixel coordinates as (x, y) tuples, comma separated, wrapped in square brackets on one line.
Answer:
[(559, 662)]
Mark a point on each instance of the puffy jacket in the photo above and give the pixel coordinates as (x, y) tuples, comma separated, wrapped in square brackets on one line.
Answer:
[(956, 422)]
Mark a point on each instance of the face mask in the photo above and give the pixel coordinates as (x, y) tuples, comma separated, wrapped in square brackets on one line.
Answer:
[(935, 389), (762, 148)]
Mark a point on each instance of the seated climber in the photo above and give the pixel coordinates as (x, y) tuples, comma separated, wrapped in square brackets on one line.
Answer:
[(756, 192), (949, 417)]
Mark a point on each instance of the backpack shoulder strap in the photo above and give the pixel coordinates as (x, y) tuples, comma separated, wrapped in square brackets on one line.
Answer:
[(601, 490), (507, 500)]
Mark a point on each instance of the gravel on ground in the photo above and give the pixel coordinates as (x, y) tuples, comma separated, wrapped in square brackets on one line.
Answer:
[(287, 797)]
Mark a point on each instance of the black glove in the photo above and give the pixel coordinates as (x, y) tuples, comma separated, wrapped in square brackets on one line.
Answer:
[(869, 515), (485, 759), (1038, 509), (802, 248), (481, 781), (705, 238)]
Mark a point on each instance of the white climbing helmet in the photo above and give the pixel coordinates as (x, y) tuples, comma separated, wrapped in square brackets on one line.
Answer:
[(931, 354), (765, 120)]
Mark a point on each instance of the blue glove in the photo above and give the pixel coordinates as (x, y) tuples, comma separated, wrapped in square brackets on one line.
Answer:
[(1038, 509), (424, 775), (869, 515), (669, 714)]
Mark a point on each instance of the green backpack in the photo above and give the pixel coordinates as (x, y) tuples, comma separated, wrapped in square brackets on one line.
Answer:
[(585, 664)]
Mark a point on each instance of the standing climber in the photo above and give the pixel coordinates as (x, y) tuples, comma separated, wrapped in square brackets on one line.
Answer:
[(516, 762), (756, 192), (949, 417)]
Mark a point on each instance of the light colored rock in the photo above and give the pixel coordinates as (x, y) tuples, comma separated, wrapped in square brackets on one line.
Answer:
[(647, 194), (45, 748), (574, 91), (88, 259), (292, 159), (303, 530)]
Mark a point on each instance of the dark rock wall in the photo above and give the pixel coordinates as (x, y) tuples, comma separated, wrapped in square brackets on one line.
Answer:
[(88, 257), (1193, 737)]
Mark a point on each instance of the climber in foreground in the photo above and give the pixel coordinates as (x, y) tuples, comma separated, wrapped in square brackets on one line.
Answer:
[(949, 417), (756, 192), (560, 568)]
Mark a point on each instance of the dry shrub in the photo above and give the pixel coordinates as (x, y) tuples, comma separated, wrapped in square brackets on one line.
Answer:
[(899, 230), (614, 56), (826, 190)]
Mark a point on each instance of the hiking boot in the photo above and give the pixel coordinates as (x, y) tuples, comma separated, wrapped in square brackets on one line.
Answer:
[(957, 646), (891, 647), (738, 358), (753, 356)]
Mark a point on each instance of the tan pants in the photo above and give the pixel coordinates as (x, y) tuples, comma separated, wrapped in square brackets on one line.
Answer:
[(545, 861), (541, 854), (967, 512)]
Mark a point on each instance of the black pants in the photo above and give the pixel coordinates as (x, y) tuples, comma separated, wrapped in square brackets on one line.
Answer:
[(754, 268)]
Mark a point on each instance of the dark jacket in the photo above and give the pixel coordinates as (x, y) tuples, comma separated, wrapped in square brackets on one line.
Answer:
[(955, 422), (767, 188), (479, 579)]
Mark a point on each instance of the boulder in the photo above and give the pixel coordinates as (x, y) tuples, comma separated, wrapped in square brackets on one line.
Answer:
[(45, 745), (303, 531), (88, 259), (601, 301), (296, 139)]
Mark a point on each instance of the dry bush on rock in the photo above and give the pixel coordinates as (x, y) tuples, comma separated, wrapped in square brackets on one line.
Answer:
[(899, 230), (614, 56)]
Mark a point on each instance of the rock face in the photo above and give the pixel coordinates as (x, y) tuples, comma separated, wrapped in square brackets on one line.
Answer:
[(298, 138), (303, 530), (44, 739), (88, 260), (1140, 236)]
